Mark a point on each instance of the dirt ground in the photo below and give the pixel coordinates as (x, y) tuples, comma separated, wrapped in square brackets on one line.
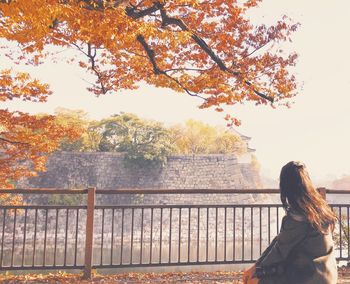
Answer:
[(136, 278)]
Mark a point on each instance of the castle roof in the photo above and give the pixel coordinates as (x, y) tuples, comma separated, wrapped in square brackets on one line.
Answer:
[(244, 137)]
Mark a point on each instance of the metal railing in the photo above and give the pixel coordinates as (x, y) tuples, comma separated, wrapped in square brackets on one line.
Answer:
[(40, 237)]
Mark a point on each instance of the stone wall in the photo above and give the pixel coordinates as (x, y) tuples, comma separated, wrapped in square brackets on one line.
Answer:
[(108, 171)]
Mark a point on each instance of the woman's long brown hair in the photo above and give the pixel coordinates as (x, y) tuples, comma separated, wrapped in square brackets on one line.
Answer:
[(298, 193)]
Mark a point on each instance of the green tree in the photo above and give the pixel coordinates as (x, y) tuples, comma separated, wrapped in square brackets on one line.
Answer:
[(143, 141)]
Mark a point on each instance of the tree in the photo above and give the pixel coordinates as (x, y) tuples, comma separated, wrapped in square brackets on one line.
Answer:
[(207, 49), (89, 130), (195, 137), (76, 119), (25, 138), (92, 137), (143, 141)]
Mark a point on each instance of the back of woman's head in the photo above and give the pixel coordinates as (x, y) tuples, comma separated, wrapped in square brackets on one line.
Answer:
[(298, 194)]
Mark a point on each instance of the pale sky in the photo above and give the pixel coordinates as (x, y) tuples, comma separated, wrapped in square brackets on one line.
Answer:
[(315, 130)]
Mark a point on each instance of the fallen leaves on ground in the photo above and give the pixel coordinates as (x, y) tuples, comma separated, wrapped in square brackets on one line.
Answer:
[(135, 278), (127, 278)]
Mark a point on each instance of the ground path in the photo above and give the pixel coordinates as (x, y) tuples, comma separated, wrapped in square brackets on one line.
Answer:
[(133, 278)]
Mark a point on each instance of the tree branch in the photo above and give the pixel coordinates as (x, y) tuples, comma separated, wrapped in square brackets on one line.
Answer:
[(188, 69), (13, 142), (157, 70), (256, 49), (166, 21), (132, 11)]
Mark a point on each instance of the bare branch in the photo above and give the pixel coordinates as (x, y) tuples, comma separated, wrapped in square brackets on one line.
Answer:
[(12, 142), (256, 49), (158, 71), (132, 11), (137, 54), (188, 69), (91, 54)]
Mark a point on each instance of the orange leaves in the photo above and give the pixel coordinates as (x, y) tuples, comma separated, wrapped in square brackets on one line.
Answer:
[(231, 121), (232, 277), (21, 86), (25, 140), (224, 37)]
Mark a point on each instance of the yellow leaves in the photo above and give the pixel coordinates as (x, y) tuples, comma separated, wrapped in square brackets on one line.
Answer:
[(196, 137), (40, 163), (10, 199)]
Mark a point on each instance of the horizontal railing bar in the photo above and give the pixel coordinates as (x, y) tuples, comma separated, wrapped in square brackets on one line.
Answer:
[(136, 191), (201, 191), (153, 191), (337, 191), (156, 206), (342, 258), (43, 191), (184, 191), (172, 264), (184, 263), (3, 268), (43, 207)]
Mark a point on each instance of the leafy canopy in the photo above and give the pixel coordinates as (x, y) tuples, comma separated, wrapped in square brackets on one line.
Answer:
[(146, 140), (143, 141), (77, 120), (196, 137), (207, 49), (25, 138)]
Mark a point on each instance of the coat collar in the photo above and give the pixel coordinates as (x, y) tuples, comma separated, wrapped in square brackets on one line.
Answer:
[(296, 215)]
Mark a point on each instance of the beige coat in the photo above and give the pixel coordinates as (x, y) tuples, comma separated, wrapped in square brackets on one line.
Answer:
[(310, 254)]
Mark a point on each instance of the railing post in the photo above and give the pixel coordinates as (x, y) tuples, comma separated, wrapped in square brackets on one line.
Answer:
[(89, 234), (322, 191)]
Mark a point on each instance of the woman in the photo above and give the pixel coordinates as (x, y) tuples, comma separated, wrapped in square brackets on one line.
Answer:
[(302, 253)]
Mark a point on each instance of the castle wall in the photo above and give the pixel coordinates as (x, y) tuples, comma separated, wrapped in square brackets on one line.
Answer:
[(109, 171)]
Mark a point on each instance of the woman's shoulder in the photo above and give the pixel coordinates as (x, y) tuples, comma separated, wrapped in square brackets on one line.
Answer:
[(293, 220), (296, 216)]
